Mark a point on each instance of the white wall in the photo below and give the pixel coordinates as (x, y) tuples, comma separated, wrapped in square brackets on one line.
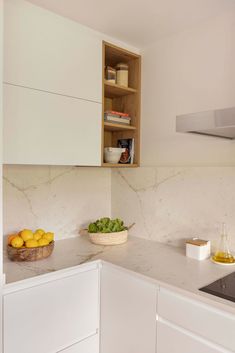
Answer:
[(189, 72), (58, 199)]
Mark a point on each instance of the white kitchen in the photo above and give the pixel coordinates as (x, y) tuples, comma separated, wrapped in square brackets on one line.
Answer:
[(117, 176)]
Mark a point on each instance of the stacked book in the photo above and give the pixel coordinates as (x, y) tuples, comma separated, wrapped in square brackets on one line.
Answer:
[(117, 117)]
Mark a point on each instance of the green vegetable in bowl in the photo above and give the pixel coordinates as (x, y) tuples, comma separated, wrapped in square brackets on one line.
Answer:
[(106, 225), (92, 228)]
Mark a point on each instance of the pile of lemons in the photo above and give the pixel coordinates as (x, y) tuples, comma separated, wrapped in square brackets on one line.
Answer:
[(26, 238)]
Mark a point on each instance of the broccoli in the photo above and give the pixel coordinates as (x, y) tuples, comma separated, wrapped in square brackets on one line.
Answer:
[(119, 221), (107, 225), (105, 220), (92, 228)]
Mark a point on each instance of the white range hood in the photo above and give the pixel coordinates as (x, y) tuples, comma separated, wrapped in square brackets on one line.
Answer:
[(217, 123)]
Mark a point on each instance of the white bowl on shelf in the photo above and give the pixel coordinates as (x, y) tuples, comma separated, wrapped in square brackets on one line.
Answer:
[(113, 154)]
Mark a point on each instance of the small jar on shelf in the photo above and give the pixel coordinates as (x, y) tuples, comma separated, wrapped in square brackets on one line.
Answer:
[(122, 74), (110, 74)]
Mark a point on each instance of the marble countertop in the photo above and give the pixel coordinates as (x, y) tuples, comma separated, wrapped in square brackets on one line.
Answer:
[(163, 264)]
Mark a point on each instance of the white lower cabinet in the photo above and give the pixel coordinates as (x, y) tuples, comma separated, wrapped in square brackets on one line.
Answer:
[(50, 316), (176, 340), (82, 311), (89, 345), (205, 321), (128, 312)]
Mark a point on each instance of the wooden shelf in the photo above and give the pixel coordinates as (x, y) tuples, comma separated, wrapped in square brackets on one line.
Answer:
[(121, 99), (119, 165), (111, 90), (115, 55), (117, 127)]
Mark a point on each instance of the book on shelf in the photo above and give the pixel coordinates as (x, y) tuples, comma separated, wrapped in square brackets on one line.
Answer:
[(127, 157), (114, 112), (117, 117), (113, 119)]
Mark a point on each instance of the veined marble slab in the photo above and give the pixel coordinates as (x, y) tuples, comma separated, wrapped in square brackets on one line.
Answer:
[(161, 263), (171, 204), (58, 199)]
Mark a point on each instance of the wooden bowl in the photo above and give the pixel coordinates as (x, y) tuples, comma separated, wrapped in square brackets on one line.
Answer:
[(30, 254), (115, 238)]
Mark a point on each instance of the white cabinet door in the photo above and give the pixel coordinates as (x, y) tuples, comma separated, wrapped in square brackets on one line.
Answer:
[(43, 128), (171, 340), (89, 345), (51, 53), (128, 313), (49, 317), (199, 318)]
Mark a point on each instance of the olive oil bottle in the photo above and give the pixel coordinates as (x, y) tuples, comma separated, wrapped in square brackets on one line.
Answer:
[(223, 254)]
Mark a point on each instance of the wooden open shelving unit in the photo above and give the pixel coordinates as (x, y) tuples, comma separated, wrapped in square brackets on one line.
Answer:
[(122, 99)]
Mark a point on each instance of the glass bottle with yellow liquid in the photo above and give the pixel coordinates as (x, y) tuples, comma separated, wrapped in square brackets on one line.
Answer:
[(223, 255)]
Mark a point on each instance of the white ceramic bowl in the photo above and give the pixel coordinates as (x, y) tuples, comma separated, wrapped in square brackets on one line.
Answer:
[(112, 154)]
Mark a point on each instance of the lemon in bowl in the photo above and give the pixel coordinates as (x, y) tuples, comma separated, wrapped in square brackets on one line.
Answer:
[(26, 234), (48, 236), (17, 242), (43, 242), (31, 243), (37, 236)]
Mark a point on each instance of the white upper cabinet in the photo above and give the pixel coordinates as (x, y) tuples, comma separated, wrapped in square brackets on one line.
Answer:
[(51, 53), (49, 129), (53, 89)]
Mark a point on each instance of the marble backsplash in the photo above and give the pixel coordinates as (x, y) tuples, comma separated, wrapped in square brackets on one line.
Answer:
[(167, 204), (170, 205), (59, 199)]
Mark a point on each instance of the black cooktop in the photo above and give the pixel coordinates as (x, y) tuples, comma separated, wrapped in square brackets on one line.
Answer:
[(223, 288)]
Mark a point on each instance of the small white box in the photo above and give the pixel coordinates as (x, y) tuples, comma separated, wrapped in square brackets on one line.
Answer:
[(198, 249)]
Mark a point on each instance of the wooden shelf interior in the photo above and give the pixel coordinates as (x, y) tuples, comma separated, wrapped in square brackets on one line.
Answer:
[(117, 127), (115, 55), (122, 99), (112, 90)]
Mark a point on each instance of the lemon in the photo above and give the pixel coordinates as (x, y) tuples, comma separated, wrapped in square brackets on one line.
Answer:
[(43, 242), (48, 236), (40, 231), (17, 242), (31, 243), (26, 234), (37, 235), (10, 237)]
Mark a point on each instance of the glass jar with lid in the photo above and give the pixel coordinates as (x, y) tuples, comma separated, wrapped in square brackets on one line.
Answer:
[(122, 74), (110, 74)]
